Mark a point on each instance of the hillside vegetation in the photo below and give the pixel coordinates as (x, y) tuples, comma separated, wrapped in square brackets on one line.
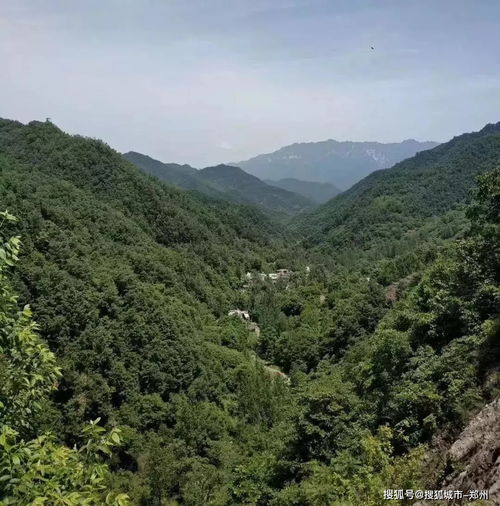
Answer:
[(396, 210), (381, 342), (225, 182), (317, 192), (183, 176)]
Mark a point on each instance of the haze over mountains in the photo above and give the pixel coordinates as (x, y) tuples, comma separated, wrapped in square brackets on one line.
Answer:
[(330, 161), (317, 192), (291, 180)]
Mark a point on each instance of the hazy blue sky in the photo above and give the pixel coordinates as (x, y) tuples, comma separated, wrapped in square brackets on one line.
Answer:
[(205, 81)]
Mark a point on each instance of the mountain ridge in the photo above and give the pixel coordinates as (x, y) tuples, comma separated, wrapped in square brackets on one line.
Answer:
[(391, 202), (224, 182), (341, 163)]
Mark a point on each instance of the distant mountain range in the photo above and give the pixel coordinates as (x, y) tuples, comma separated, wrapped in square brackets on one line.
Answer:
[(339, 163), (224, 182)]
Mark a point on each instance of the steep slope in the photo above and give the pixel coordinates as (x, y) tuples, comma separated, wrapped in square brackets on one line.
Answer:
[(339, 163), (126, 276), (388, 206), (130, 281), (317, 192), (248, 189), (170, 216), (389, 378), (474, 455), (224, 182)]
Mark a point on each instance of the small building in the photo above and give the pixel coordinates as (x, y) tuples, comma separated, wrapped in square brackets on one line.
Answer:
[(243, 315), (280, 274), (273, 276)]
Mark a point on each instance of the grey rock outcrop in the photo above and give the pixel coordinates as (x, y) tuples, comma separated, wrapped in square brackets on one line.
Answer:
[(476, 454)]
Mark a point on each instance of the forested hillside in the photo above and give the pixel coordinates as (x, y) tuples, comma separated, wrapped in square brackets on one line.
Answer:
[(183, 176), (225, 182), (35, 468), (374, 340), (416, 201), (130, 282), (389, 377), (317, 192), (246, 188)]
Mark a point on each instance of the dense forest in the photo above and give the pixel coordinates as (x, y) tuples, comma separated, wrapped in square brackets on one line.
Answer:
[(227, 183), (318, 193), (367, 337)]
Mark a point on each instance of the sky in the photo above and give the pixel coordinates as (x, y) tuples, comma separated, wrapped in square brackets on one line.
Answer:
[(210, 81)]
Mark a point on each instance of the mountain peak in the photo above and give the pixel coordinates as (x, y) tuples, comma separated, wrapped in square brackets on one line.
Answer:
[(491, 128), (226, 171), (341, 163)]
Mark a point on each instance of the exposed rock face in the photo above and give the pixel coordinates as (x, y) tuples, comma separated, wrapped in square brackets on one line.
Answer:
[(476, 454), (340, 163)]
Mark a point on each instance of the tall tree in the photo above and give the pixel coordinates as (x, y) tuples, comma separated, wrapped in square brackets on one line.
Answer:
[(34, 468)]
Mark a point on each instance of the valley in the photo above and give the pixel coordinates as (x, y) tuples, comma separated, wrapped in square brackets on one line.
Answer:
[(239, 357)]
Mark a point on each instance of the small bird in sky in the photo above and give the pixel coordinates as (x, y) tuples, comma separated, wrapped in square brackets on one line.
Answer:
[(372, 47)]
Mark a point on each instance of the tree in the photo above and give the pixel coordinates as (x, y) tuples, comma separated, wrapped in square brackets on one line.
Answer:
[(34, 468)]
